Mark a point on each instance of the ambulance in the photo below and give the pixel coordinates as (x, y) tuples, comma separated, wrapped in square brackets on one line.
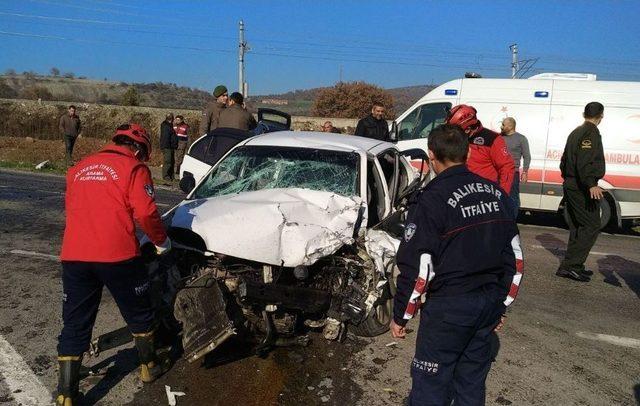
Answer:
[(546, 107)]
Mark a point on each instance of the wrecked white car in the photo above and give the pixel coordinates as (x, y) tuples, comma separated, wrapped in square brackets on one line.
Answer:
[(289, 231)]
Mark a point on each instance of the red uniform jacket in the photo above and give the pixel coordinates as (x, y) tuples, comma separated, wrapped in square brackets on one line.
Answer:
[(490, 159), (182, 131), (106, 191)]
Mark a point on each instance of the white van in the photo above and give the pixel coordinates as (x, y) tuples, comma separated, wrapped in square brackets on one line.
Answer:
[(546, 107)]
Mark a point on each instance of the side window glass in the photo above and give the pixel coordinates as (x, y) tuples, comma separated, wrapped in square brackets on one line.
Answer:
[(423, 119), (200, 147)]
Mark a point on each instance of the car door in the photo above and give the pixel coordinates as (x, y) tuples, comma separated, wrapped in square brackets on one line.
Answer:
[(194, 163), (399, 175), (209, 149)]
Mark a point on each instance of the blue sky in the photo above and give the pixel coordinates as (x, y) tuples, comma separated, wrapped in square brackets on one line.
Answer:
[(303, 44)]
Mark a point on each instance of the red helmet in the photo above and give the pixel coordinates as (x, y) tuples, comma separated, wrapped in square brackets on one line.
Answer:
[(137, 134), (465, 117)]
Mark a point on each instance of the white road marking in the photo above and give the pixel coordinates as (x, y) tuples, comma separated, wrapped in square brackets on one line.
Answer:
[(162, 205), (615, 340), (24, 386), (35, 254), (604, 254)]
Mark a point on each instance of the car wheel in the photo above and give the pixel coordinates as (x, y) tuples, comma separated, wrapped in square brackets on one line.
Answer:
[(377, 322), (605, 213)]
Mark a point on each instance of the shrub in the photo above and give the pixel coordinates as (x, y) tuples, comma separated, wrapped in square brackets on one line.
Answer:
[(36, 92), (130, 97)]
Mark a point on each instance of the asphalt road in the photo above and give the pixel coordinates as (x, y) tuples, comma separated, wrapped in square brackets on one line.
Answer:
[(550, 352)]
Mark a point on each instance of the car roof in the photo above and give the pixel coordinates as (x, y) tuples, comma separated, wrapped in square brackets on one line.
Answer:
[(316, 139)]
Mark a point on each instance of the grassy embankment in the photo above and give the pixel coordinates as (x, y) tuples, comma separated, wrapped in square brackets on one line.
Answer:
[(30, 134)]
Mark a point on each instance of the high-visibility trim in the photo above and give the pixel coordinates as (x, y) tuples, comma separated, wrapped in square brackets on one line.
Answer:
[(425, 275), (149, 334), (517, 277), (69, 357)]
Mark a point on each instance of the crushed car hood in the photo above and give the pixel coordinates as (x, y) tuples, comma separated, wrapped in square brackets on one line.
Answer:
[(286, 227)]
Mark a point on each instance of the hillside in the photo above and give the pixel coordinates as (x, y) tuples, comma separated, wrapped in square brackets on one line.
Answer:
[(166, 95), (77, 90)]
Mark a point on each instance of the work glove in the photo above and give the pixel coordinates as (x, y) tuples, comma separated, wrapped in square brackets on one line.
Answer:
[(164, 248)]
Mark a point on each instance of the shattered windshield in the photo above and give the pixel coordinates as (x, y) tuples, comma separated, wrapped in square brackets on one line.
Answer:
[(251, 168)]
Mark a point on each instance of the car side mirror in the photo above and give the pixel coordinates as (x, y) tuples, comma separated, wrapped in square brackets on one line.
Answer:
[(393, 133), (187, 183)]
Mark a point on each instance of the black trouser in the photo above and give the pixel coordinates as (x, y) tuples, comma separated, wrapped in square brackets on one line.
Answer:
[(128, 283), (69, 142), (584, 227), (167, 164), (454, 348)]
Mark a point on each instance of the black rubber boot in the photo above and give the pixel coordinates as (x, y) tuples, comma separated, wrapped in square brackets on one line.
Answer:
[(150, 366), (68, 380)]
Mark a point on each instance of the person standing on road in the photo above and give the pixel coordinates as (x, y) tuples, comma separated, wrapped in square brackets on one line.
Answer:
[(106, 192), (518, 146), (374, 125), (582, 166), (488, 155), (461, 248), (181, 128), (235, 115), (168, 145), (70, 128), (211, 114)]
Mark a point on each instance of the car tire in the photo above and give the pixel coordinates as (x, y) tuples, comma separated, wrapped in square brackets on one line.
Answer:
[(378, 320), (605, 213)]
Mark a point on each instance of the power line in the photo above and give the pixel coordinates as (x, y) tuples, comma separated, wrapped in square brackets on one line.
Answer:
[(417, 51), (329, 48), (173, 47), (101, 10), (77, 20), (127, 43)]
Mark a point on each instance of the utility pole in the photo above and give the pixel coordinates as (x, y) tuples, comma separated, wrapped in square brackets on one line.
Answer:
[(242, 48), (515, 66), (340, 73)]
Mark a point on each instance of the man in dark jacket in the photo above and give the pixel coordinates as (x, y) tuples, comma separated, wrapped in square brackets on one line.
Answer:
[(374, 125), (168, 145), (235, 115), (582, 166), (461, 249), (211, 114), (70, 128)]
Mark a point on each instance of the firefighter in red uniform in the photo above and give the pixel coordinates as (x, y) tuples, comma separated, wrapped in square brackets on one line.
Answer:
[(488, 154), (107, 192)]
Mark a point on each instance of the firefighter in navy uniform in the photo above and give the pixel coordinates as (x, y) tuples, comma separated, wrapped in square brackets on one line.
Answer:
[(106, 192), (582, 165), (461, 249)]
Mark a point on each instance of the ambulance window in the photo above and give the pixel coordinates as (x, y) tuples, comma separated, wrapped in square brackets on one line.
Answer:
[(422, 120)]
